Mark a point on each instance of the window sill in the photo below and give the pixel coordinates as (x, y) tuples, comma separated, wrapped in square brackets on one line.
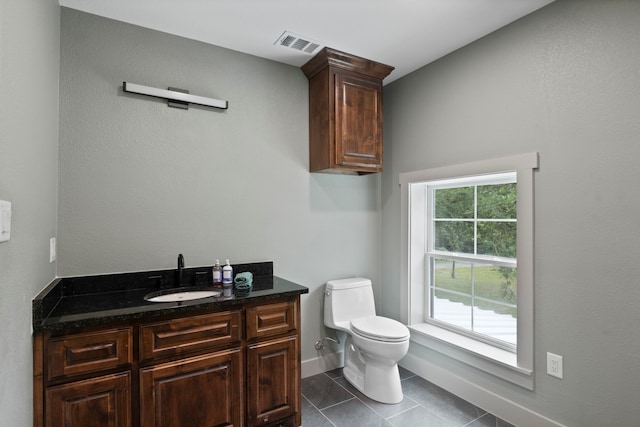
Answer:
[(484, 357)]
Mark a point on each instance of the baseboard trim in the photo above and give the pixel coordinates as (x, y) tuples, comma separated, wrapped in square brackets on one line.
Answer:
[(491, 402), (321, 364)]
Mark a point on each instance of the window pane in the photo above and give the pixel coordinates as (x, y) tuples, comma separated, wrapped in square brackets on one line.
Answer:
[(498, 326), (497, 239), (497, 284), (472, 222), (453, 236), (454, 202), (452, 275), (497, 201), (452, 312)]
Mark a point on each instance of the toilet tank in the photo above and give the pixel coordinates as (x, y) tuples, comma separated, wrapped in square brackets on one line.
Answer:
[(346, 299)]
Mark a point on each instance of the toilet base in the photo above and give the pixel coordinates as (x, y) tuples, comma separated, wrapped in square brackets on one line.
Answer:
[(376, 380)]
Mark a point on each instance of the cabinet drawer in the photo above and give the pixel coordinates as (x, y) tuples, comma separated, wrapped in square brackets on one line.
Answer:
[(271, 319), (89, 352), (190, 334)]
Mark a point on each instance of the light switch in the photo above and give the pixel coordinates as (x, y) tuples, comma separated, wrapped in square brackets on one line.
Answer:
[(5, 220)]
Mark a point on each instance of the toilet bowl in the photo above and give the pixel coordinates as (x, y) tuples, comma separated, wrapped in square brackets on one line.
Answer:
[(374, 344)]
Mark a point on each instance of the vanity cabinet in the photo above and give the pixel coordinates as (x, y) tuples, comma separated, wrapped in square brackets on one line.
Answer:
[(237, 366), (273, 373), (101, 401), (83, 393), (345, 113), (272, 382), (205, 390)]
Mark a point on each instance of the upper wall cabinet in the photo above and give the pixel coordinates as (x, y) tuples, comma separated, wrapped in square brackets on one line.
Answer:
[(345, 108)]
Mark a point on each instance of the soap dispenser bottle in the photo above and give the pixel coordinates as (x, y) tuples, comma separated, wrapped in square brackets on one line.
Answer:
[(217, 274), (227, 279)]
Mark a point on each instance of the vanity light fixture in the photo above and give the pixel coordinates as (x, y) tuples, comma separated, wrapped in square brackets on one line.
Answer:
[(177, 97)]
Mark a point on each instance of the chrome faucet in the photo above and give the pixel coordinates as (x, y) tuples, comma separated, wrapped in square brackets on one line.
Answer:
[(180, 268)]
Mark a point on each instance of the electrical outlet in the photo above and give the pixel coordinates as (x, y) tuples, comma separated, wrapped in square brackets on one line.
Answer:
[(554, 365), (52, 249), (5, 221)]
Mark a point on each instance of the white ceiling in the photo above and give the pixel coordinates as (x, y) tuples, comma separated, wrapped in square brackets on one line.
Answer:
[(406, 34)]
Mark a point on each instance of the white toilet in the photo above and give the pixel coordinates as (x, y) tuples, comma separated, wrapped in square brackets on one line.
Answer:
[(374, 344)]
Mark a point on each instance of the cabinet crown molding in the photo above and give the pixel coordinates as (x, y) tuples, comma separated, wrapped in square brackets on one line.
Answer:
[(346, 61)]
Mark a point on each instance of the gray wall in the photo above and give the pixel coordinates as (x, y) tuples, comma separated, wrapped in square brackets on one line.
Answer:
[(29, 64), (141, 182), (564, 81)]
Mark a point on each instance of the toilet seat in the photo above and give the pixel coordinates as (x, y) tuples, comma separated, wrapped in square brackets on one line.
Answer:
[(380, 329)]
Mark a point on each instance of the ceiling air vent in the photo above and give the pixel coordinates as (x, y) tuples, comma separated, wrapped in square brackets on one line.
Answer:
[(302, 44)]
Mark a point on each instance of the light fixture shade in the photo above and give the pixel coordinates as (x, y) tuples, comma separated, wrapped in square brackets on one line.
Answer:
[(174, 95)]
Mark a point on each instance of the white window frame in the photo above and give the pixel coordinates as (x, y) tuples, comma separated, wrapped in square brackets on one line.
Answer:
[(430, 187), (514, 367)]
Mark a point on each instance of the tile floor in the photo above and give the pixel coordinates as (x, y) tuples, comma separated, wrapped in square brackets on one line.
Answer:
[(329, 400)]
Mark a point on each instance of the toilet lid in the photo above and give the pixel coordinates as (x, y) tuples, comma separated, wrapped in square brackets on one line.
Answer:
[(380, 328)]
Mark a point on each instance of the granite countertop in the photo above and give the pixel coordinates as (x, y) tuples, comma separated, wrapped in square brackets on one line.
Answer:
[(74, 302)]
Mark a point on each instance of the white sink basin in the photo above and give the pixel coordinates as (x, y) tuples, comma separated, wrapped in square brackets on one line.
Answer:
[(182, 295)]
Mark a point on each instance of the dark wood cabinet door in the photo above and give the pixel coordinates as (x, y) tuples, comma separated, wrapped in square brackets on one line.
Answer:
[(198, 391), (99, 402), (272, 380), (358, 116), (345, 113)]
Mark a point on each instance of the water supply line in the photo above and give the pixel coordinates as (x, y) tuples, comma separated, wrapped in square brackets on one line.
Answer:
[(319, 344)]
